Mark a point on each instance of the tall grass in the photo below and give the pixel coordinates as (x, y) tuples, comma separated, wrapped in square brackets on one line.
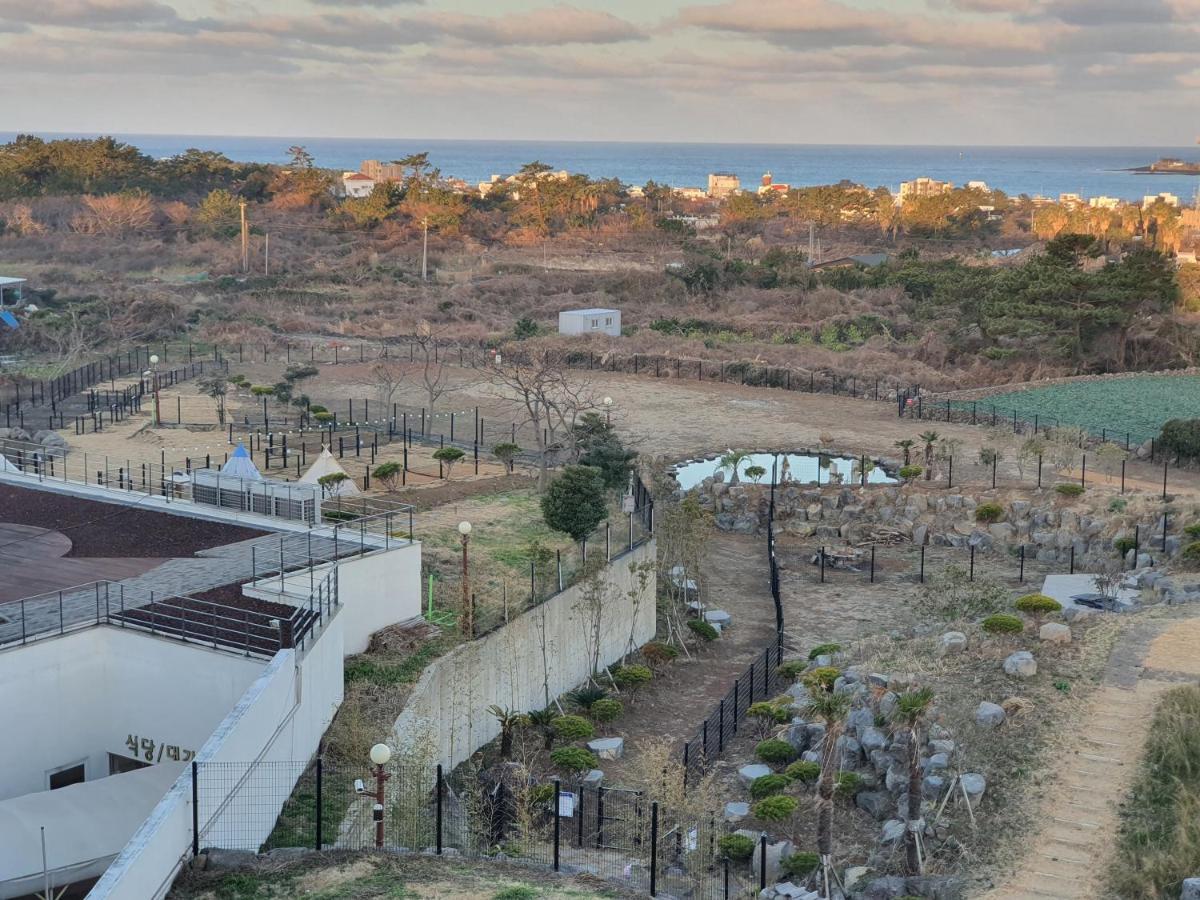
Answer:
[(1159, 843)]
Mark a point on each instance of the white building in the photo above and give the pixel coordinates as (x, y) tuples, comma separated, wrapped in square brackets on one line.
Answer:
[(590, 321), (1150, 199), (356, 184), (1104, 203)]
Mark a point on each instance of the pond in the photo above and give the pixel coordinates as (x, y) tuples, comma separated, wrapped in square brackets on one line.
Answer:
[(801, 468)]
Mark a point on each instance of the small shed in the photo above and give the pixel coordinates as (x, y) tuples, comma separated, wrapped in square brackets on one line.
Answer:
[(11, 292), (590, 321)]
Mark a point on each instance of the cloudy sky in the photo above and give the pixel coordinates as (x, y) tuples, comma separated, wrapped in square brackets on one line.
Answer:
[(1122, 72)]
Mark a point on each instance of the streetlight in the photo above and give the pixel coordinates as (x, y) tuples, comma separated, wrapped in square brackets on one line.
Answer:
[(380, 754), (154, 376), (468, 608), (608, 401)]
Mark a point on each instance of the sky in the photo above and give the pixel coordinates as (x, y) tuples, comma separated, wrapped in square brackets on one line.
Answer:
[(976, 72)]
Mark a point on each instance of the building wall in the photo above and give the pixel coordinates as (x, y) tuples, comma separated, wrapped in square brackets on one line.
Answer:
[(446, 716), (576, 323)]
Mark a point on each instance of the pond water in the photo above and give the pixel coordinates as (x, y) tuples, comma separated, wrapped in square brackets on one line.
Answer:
[(801, 468)]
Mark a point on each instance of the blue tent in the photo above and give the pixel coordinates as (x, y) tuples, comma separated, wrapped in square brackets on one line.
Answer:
[(240, 465), (9, 319)]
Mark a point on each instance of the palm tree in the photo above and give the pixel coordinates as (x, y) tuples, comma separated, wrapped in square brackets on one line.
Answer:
[(733, 461), (510, 721), (911, 710), (543, 721), (830, 708), (929, 438), (906, 446), (755, 473)]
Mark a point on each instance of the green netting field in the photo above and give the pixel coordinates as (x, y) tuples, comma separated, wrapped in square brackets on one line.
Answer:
[(1138, 405)]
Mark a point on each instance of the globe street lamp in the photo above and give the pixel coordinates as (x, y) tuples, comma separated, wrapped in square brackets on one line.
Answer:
[(468, 608), (380, 754), (154, 376), (608, 401)]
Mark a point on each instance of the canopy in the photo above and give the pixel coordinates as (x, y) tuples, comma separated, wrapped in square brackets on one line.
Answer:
[(324, 465), (240, 465)]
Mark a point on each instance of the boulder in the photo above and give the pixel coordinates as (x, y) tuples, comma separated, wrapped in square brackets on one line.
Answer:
[(776, 853), (932, 786), (853, 875), (937, 763), (747, 774), (872, 738), (952, 642), (890, 887), (877, 804), (1191, 889), (735, 811), (718, 617), (892, 831), (1021, 665), (887, 704), (850, 752), (987, 715), (1078, 613), (896, 778), (941, 745), (1055, 633), (974, 784), (797, 736), (593, 778), (226, 860), (608, 748), (860, 719), (936, 887)]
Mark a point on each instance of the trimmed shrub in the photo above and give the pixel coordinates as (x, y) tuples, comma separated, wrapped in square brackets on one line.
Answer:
[(1068, 490), (824, 650), (632, 676), (1192, 530), (573, 759), (768, 711), (768, 786), (573, 728), (1038, 605), (792, 669), (847, 784), (606, 710), (1002, 623), (262, 390), (541, 793), (987, 513), (737, 847), (658, 654), (702, 629), (1123, 545), (803, 770), (1191, 552), (800, 865), (822, 677), (774, 751), (775, 809), (910, 473)]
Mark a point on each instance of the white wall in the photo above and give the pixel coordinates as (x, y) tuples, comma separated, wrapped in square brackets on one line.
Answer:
[(447, 708), (79, 696)]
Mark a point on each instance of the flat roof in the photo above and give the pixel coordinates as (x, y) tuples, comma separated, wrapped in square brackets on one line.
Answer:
[(590, 312), (5, 279)]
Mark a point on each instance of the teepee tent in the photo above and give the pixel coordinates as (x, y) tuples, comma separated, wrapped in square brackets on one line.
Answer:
[(6, 466), (240, 465), (324, 465)]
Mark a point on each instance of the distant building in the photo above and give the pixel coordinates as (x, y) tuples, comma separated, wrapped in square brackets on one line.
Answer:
[(590, 321), (722, 184), (1070, 199), (1185, 257), (11, 292), (1169, 199), (771, 186), (978, 186), (923, 187), (1104, 203), (690, 193), (373, 168), (356, 184)]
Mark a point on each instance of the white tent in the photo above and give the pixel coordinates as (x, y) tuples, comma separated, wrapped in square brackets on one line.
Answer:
[(324, 465), (6, 466), (240, 465)]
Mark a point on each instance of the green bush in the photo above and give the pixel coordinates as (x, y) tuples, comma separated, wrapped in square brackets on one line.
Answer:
[(323, 417), (1124, 544), (658, 654), (573, 760), (737, 847), (803, 770), (315, 408), (541, 793), (847, 784), (910, 473), (766, 710), (516, 892), (987, 513), (1038, 605), (702, 629), (824, 650), (262, 390), (1192, 530), (585, 696), (775, 809), (1002, 623), (1068, 490), (573, 728), (1117, 504), (768, 786), (792, 669), (1181, 437), (774, 751), (606, 710), (822, 677), (1191, 552), (574, 503), (800, 865), (632, 676)]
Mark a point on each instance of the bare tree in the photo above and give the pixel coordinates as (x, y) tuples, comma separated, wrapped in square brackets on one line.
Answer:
[(434, 374), (387, 375)]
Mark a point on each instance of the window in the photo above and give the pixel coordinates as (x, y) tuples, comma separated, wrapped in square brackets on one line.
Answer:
[(118, 764), (608, 321), (595, 323), (67, 775)]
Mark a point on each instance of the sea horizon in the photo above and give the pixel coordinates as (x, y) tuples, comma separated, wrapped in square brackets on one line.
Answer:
[(1048, 170)]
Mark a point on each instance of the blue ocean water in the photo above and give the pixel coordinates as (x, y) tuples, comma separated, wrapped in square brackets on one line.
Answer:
[(1090, 171)]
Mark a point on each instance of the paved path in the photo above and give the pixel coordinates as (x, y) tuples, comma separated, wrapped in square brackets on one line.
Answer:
[(1080, 813)]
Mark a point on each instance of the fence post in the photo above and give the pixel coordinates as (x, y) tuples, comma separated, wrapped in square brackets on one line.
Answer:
[(972, 575), (195, 809), (1122, 476), (1164, 478), (1039, 484), (320, 777), (557, 824), (950, 473), (872, 564), (1021, 574), (922, 564), (654, 849), (438, 790), (822, 562), (762, 862), (1083, 472), (1072, 559), (721, 727)]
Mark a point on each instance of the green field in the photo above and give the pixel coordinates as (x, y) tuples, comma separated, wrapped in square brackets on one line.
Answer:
[(1138, 405)]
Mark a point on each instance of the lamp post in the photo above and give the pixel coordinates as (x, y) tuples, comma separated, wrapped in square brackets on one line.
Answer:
[(468, 610), (154, 377), (608, 401), (380, 754)]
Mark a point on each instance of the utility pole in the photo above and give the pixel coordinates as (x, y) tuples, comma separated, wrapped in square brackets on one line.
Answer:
[(267, 254), (425, 250), (245, 237)]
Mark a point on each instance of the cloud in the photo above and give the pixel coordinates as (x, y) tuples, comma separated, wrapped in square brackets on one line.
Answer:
[(380, 4), (560, 24), (88, 13)]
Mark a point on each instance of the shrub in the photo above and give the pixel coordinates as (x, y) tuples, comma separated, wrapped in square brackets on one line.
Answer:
[(632, 676), (573, 728), (658, 654), (1192, 530), (1068, 490), (800, 865), (824, 650), (703, 630), (910, 473), (315, 408), (1038, 605), (1181, 437), (737, 847), (775, 809), (515, 892), (541, 793), (768, 786), (573, 760), (574, 502), (585, 696), (821, 677), (774, 751), (239, 380), (803, 770), (847, 784), (988, 513), (447, 457), (262, 390), (1002, 623), (388, 474), (1191, 552), (1124, 544), (951, 595), (323, 417), (768, 711), (1117, 504), (506, 452), (606, 710), (792, 669)]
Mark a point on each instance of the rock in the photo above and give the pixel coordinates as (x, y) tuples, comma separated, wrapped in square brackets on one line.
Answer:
[(785, 890), (776, 852), (608, 748), (1144, 561), (1191, 889), (887, 704), (936, 887), (1021, 665), (850, 752), (1077, 613), (877, 804), (1055, 633), (892, 831), (1001, 532), (952, 642), (987, 715), (811, 756), (860, 719), (1019, 508), (896, 778), (718, 617), (225, 860), (735, 811), (797, 736), (593, 778), (876, 680), (974, 784), (853, 875), (937, 762), (890, 887), (289, 853), (816, 734), (872, 738), (932, 786), (747, 774)]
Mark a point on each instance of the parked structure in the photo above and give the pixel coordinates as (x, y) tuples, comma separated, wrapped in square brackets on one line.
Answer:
[(590, 321)]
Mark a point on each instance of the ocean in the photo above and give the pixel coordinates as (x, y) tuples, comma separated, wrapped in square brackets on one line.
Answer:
[(1089, 171)]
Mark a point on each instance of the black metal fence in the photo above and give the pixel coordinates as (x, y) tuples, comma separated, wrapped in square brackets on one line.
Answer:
[(619, 835)]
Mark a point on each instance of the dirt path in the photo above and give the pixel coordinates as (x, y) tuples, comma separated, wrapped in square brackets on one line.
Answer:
[(1080, 811)]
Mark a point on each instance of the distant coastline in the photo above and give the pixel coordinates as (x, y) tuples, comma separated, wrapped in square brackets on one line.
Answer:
[(1168, 166)]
